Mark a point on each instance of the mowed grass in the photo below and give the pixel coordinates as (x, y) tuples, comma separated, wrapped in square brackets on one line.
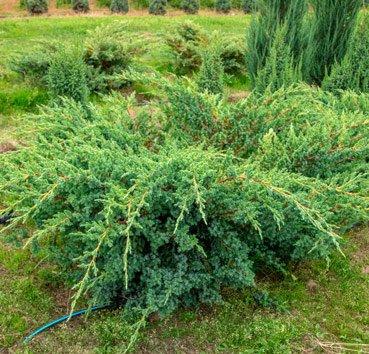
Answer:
[(319, 308)]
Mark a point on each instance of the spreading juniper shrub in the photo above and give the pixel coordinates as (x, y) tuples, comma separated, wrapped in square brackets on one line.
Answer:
[(159, 221), (232, 54), (109, 51), (34, 65)]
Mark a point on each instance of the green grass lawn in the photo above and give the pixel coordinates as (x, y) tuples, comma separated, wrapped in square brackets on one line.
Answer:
[(320, 307), (317, 306)]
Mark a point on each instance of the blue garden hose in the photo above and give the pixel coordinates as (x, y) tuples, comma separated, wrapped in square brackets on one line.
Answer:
[(60, 320)]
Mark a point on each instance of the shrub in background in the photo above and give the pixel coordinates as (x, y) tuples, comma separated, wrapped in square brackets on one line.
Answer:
[(248, 6), (108, 51), (330, 31), (223, 6), (67, 76), (35, 64), (158, 7), (210, 77), (353, 72), (185, 46), (232, 54), (80, 5), (272, 14), (119, 6), (190, 6), (279, 69), (36, 7)]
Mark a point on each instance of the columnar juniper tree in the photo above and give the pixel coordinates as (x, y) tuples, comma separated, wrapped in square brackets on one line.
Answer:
[(36, 7), (158, 7), (279, 69), (223, 6), (330, 31), (119, 6), (272, 14), (190, 6), (353, 72), (80, 5)]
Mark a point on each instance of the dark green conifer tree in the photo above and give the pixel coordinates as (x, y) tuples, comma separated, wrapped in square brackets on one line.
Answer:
[(330, 31), (279, 69), (80, 5), (353, 72), (36, 7), (273, 14), (119, 6), (190, 6), (158, 7), (248, 6), (223, 6)]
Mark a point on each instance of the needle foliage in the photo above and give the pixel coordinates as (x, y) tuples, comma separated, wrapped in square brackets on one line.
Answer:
[(162, 208)]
